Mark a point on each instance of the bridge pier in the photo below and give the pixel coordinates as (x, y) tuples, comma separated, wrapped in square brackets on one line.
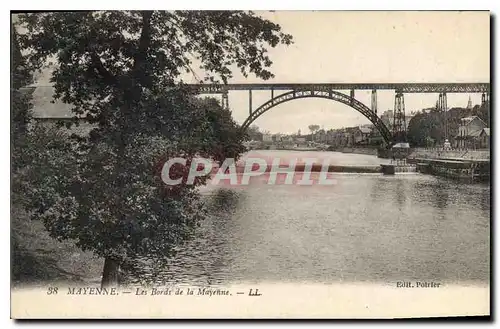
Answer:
[(225, 100), (352, 95), (485, 97), (399, 120), (249, 101), (442, 102), (374, 101), (442, 107)]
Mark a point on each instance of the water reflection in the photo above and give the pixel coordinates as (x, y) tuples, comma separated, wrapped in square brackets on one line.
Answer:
[(224, 200), (400, 193)]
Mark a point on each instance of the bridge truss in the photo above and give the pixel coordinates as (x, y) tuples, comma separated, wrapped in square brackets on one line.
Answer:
[(398, 87), (332, 95)]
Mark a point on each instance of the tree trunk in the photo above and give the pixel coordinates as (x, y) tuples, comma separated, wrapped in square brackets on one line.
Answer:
[(110, 273)]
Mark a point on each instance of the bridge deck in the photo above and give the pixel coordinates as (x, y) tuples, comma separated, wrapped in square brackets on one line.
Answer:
[(402, 87)]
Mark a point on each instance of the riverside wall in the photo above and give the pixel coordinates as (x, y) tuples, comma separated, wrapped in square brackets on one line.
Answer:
[(465, 165), (449, 154), (358, 150)]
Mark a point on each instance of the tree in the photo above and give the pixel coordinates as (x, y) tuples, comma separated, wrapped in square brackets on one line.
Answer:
[(20, 104), (424, 125), (483, 112), (313, 129), (430, 124), (429, 141), (254, 133), (121, 71)]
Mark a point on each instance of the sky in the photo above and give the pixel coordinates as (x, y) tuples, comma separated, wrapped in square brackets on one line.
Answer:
[(368, 47), (357, 47)]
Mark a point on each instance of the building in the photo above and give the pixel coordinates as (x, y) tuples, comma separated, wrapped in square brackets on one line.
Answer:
[(320, 136), (375, 138), (347, 138), (267, 137), (469, 132), (387, 118), (300, 141), (287, 139), (484, 138), (408, 119), (361, 135), (49, 114), (335, 137), (469, 104)]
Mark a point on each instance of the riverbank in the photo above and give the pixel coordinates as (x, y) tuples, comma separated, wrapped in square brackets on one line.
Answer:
[(359, 150), (422, 153), (464, 170), (301, 149), (464, 165), (38, 259), (354, 150), (301, 167)]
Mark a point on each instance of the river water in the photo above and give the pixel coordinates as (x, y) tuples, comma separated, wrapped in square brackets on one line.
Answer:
[(364, 228)]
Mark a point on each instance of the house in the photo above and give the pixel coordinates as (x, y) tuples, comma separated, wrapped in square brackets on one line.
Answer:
[(484, 138), (347, 138), (375, 138), (320, 136), (287, 139), (49, 114), (267, 137), (387, 117), (334, 137), (469, 132), (300, 141), (361, 135)]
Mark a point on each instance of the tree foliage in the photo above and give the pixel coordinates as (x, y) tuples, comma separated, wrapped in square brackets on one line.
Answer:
[(122, 72), (313, 128), (20, 102), (254, 133), (427, 128)]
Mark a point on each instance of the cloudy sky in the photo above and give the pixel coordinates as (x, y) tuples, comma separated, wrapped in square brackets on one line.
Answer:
[(369, 47)]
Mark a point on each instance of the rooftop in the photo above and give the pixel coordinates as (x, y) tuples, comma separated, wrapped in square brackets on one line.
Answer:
[(43, 107), (486, 131), (475, 133), (365, 130), (469, 119)]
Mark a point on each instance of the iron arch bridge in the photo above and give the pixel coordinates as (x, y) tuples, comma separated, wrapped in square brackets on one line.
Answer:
[(330, 91), (330, 94)]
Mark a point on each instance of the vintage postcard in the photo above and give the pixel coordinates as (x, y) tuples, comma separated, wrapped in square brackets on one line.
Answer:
[(249, 165)]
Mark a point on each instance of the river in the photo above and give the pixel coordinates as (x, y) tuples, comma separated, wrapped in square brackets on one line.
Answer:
[(364, 228)]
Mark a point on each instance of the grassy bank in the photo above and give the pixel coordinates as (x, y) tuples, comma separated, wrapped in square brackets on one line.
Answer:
[(37, 259)]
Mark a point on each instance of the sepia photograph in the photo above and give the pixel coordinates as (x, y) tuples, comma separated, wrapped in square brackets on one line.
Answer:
[(202, 164)]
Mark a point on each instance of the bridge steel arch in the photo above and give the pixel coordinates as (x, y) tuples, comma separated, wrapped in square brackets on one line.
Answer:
[(331, 95)]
